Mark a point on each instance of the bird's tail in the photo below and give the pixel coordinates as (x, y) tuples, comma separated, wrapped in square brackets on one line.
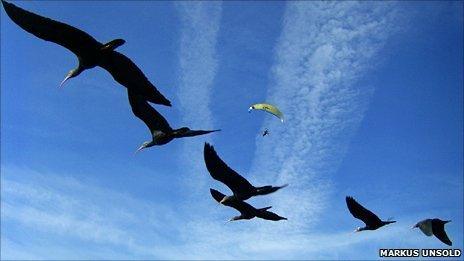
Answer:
[(268, 189), (186, 132), (264, 209)]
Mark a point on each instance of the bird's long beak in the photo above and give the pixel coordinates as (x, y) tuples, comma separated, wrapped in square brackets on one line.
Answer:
[(139, 149), (65, 79)]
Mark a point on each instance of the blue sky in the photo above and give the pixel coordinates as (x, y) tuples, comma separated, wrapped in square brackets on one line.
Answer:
[(372, 95)]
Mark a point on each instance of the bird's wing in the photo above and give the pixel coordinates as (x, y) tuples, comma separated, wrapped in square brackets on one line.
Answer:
[(223, 173), (361, 212), (186, 132), (142, 110), (77, 41), (438, 229), (128, 74), (243, 207)]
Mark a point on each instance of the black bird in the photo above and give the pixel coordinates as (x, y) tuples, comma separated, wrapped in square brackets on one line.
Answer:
[(241, 188), (371, 220), (89, 52), (434, 227), (160, 130), (246, 210)]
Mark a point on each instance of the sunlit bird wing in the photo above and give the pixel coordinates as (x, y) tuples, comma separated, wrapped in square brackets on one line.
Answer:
[(426, 227)]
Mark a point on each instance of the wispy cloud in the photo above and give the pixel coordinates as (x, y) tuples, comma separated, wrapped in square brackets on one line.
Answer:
[(200, 22), (324, 48), (62, 206)]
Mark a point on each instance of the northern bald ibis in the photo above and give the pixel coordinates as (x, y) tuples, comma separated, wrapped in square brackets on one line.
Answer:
[(89, 52), (241, 188), (371, 220), (159, 128), (246, 210), (434, 227)]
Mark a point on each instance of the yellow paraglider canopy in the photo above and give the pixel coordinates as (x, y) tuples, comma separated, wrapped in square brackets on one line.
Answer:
[(268, 108)]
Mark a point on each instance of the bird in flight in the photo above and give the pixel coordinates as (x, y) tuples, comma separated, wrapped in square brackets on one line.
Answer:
[(371, 220), (434, 227), (89, 52), (246, 210), (159, 128), (241, 188)]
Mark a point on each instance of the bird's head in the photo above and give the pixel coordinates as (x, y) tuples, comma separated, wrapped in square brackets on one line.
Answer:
[(71, 74), (358, 229), (415, 226), (144, 145), (226, 199)]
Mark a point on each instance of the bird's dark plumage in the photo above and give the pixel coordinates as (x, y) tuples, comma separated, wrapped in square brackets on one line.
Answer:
[(241, 188), (246, 210), (89, 51), (144, 111), (128, 74), (71, 38), (435, 227), (159, 127), (371, 220)]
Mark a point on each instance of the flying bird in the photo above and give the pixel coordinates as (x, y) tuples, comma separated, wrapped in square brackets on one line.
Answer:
[(159, 128), (434, 227), (371, 220), (89, 52), (241, 188), (246, 210)]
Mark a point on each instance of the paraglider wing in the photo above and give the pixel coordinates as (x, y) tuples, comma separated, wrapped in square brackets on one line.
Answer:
[(268, 108)]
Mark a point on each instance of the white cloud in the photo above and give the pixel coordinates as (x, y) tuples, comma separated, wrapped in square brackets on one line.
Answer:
[(324, 48), (63, 207), (200, 22)]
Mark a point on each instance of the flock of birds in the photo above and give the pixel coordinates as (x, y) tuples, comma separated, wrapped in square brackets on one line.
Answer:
[(141, 91)]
